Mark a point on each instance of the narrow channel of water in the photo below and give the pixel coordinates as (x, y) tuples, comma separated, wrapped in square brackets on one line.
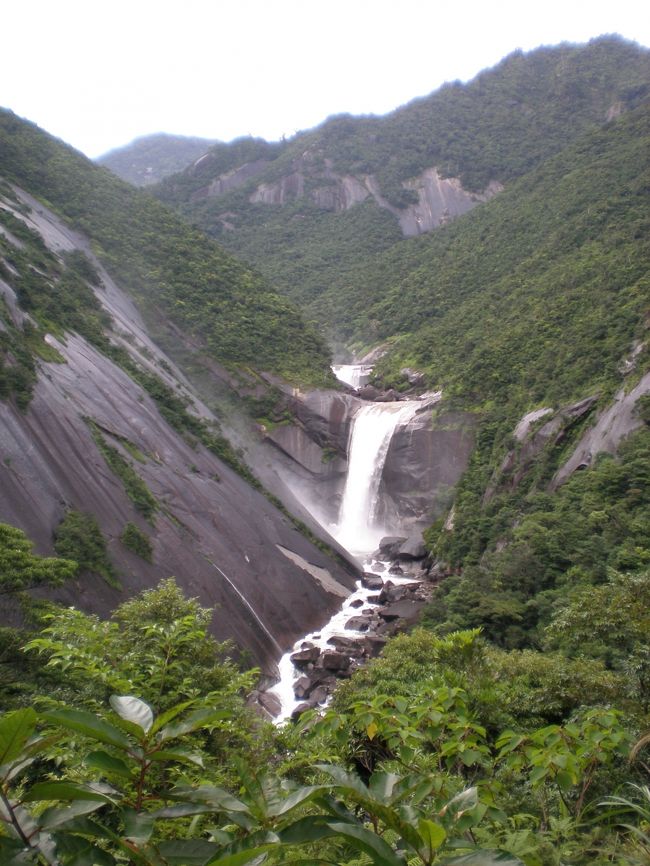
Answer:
[(357, 529)]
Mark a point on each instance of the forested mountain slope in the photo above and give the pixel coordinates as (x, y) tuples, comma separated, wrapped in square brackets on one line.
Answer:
[(151, 158), (167, 265), (109, 457), (309, 210)]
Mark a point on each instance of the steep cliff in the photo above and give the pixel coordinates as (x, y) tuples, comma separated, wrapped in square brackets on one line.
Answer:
[(106, 424)]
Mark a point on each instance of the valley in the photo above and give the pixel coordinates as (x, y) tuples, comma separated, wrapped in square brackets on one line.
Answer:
[(349, 431)]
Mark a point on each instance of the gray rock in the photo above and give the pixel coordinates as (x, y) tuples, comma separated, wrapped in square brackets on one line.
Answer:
[(358, 623), (406, 610), (390, 396), (412, 548), (335, 661), (358, 602), (301, 708), (374, 644), (371, 581), (305, 656), (414, 377), (303, 687), (369, 392), (269, 702), (320, 694)]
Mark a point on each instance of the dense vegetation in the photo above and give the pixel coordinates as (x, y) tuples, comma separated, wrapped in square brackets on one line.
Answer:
[(509, 729), (500, 126), (166, 265), (535, 295), (129, 742), (149, 159)]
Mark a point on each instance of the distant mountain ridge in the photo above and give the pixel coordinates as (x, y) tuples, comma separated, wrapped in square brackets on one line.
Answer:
[(149, 159), (309, 211)]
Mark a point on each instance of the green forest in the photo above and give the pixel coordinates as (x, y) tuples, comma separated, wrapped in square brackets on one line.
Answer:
[(167, 266), (511, 727)]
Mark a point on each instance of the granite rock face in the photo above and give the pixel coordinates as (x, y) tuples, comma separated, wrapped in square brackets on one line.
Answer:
[(222, 540), (424, 463)]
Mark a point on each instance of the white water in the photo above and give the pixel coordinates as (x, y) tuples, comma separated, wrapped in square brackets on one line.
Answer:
[(372, 429), (357, 530), (283, 690), (354, 375)]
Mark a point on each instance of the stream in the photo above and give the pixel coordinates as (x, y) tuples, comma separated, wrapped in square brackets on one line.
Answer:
[(359, 531)]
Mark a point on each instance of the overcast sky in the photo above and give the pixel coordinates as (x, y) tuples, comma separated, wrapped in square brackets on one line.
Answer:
[(100, 74)]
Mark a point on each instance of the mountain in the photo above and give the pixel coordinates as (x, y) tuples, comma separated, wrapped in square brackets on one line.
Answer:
[(171, 268), (149, 159), (109, 453), (528, 310), (310, 211)]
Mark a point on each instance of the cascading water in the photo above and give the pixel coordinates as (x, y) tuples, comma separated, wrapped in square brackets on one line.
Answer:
[(357, 529), (372, 429), (354, 375)]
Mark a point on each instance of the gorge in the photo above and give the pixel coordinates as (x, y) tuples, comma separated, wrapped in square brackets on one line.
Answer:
[(189, 498), (363, 521)]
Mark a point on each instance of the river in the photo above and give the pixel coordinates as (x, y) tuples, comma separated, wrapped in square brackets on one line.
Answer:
[(359, 529)]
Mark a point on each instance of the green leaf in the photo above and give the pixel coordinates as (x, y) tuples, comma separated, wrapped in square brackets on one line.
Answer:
[(484, 858), (15, 729), (108, 764), (538, 774), (56, 816), (89, 725), (470, 756), (246, 850), (182, 755), (565, 780), (63, 791), (138, 826), (432, 835), (133, 710), (170, 714), (368, 842), (187, 852), (198, 719)]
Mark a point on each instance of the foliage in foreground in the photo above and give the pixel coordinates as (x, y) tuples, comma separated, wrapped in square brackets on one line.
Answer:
[(422, 759)]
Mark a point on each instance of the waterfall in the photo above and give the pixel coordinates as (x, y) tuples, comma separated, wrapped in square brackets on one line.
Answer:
[(357, 530), (354, 375), (372, 429)]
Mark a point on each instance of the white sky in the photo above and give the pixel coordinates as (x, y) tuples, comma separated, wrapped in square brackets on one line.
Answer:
[(99, 74)]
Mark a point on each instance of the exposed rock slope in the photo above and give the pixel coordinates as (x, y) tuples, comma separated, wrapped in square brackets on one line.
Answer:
[(223, 540)]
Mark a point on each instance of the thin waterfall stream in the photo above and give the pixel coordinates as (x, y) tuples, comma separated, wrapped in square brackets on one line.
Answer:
[(359, 531)]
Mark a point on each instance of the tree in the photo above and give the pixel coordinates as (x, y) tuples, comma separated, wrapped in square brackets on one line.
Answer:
[(20, 569)]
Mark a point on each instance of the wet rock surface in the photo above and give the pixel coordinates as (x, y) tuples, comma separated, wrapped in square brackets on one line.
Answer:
[(396, 607)]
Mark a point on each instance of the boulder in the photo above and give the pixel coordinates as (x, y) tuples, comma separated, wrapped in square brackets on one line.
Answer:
[(319, 695), (269, 702), (390, 396), (406, 610), (305, 656), (369, 392), (358, 602), (371, 581), (374, 644), (303, 687), (358, 623), (396, 569), (335, 661), (300, 709), (390, 544), (412, 548), (415, 377), (343, 644), (379, 566)]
